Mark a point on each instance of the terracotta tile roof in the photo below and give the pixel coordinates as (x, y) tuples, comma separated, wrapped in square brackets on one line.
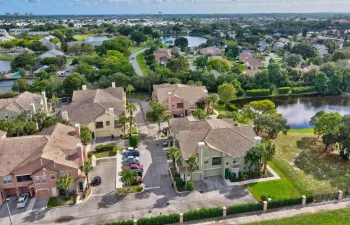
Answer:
[(21, 102)]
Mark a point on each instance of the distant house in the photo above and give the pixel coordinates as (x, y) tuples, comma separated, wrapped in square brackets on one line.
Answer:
[(252, 63), (322, 50), (179, 99), (18, 31), (52, 53), (46, 42), (277, 45), (162, 55), (6, 38), (3, 32), (210, 51), (175, 49)]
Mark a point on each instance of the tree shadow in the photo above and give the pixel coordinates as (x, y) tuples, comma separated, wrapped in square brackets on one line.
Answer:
[(110, 199)]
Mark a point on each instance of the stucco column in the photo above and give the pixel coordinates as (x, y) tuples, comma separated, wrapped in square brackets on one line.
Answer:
[(135, 222), (265, 206), (170, 108), (224, 211), (340, 195), (181, 217), (303, 200)]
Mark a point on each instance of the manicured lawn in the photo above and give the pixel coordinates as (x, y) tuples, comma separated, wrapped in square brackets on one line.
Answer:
[(221, 109), (144, 68), (132, 189), (304, 167), (139, 95), (336, 217), (59, 201), (134, 49), (306, 130), (81, 37), (5, 58)]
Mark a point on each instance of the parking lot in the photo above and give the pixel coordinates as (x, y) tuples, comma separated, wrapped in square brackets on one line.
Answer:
[(32, 204), (106, 169)]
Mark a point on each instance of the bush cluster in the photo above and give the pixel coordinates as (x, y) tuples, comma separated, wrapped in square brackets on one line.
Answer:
[(300, 90), (128, 222), (243, 208), (284, 90), (278, 203), (160, 220), (203, 213), (190, 185), (231, 107), (107, 147), (258, 92)]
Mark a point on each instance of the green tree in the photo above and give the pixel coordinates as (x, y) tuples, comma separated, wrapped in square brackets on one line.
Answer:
[(177, 65), (344, 137), (87, 168), (314, 120), (292, 60), (271, 125), (335, 83), (328, 123), (329, 139), (138, 37), (20, 85), (39, 117), (199, 114), (226, 93), (305, 49), (252, 159), (129, 89), (123, 120), (131, 121), (158, 113), (74, 49), (338, 54), (232, 51), (174, 153), (266, 150), (202, 61), (181, 42), (119, 43), (193, 162), (133, 140), (73, 82), (85, 135), (129, 177), (211, 100), (64, 182), (23, 61), (321, 83)]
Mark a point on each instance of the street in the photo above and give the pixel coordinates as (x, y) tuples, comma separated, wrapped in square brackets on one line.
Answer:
[(132, 60)]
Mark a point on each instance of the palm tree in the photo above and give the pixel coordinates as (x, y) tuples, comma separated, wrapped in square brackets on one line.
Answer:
[(193, 162), (199, 114), (131, 108), (129, 176), (123, 120), (211, 100), (39, 117), (131, 120), (87, 168), (129, 89), (267, 151), (64, 182), (174, 153), (252, 158)]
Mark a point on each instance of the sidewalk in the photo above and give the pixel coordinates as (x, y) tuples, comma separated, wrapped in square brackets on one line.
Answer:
[(252, 218)]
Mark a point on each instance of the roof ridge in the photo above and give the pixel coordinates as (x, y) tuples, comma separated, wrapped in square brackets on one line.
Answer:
[(240, 134)]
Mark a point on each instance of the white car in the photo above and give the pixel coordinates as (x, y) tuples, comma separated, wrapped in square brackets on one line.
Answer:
[(127, 149), (133, 157), (22, 200)]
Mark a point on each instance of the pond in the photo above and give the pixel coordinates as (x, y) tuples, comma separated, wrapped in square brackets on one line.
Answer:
[(6, 85), (5, 65), (299, 110), (192, 40)]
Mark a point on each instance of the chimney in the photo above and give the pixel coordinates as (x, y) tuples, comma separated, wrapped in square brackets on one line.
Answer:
[(113, 84), (32, 108), (111, 118), (80, 154), (43, 96), (170, 101), (257, 141), (83, 87), (64, 115), (77, 129), (201, 146)]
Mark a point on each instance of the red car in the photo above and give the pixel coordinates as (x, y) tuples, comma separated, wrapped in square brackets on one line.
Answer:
[(133, 166)]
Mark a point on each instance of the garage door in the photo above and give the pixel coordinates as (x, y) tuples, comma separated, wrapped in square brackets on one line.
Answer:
[(43, 193), (213, 172), (196, 176)]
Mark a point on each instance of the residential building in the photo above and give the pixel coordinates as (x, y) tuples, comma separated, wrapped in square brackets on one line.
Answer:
[(249, 60), (6, 38), (46, 42), (24, 103), (219, 146), (34, 163), (322, 50), (162, 55), (210, 51), (98, 109), (3, 32), (179, 99), (52, 53), (175, 49)]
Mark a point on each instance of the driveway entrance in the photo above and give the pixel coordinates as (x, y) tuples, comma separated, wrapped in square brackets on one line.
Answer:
[(210, 184)]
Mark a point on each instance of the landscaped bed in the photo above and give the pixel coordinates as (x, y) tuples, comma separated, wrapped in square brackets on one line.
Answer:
[(60, 201), (131, 189), (107, 150)]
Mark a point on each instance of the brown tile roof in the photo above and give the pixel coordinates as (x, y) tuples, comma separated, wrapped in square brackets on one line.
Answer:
[(21, 102), (50, 144), (189, 93), (89, 104)]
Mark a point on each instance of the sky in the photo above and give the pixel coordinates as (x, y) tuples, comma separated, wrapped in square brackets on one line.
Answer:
[(58, 7)]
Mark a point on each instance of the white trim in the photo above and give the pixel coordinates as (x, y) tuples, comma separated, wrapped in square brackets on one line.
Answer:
[(215, 168), (42, 189)]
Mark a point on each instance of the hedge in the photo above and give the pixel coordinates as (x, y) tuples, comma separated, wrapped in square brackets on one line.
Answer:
[(134, 141), (258, 92), (107, 147), (284, 90), (243, 208), (279, 203), (231, 107), (300, 90), (160, 220), (203, 213), (128, 222)]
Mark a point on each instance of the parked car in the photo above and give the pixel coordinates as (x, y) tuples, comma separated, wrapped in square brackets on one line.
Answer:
[(138, 171), (133, 166), (96, 181), (132, 153), (128, 150), (132, 157), (147, 99), (165, 143), (128, 162), (22, 200)]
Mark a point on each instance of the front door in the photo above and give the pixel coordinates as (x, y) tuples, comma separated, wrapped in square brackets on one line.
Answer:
[(81, 186), (186, 112), (54, 192)]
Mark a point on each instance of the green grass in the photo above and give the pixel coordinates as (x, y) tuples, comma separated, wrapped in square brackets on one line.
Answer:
[(306, 130), (221, 109), (139, 95), (59, 201), (335, 217), (230, 42), (132, 189), (134, 49), (82, 37), (144, 68), (5, 58)]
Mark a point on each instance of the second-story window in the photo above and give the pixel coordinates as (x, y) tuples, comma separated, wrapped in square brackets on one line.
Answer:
[(43, 179), (7, 179), (99, 125), (108, 123), (37, 180), (216, 161), (180, 105)]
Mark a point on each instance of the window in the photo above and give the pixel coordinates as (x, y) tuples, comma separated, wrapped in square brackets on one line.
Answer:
[(52, 176), (7, 179), (192, 105), (235, 160), (37, 180), (43, 178), (69, 173), (116, 123), (173, 104), (180, 105), (24, 178), (206, 161), (99, 124), (216, 161), (108, 123), (61, 173)]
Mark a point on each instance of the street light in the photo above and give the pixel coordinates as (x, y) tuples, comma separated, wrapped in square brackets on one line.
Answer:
[(8, 209)]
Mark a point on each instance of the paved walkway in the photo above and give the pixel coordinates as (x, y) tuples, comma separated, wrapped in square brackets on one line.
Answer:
[(132, 60), (278, 214)]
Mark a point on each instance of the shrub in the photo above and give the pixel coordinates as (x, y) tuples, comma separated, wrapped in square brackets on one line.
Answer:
[(107, 147), (190, 185), (300, 90), (134, 130), (264, 197), (89, 155), (128, 222), (258, 92), (243, 208), (179, 182), (284, 90), (278, 203), (203, 213), (160, 220), (231, 107), (240, 176), (134, 141)]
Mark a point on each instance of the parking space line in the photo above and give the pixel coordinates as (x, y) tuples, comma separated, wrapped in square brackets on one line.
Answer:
[(151, 188)]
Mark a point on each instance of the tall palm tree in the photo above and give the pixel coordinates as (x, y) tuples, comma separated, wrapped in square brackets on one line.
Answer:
[(64, 182), (174, 153), (123, 120), (39, 117), (193, 162), (211, 100), (252, 158), (131, 108), (129, 176), (87, 168), (129, 89), (132, 120), (199, 114), (267, 151)]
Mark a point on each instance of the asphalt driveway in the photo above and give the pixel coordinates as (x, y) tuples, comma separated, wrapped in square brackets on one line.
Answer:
[(33, 204), (210, 184), (106, 169)]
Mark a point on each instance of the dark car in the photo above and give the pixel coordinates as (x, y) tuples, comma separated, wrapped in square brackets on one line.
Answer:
[(132, 153), (128, 162), (96, 181)]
